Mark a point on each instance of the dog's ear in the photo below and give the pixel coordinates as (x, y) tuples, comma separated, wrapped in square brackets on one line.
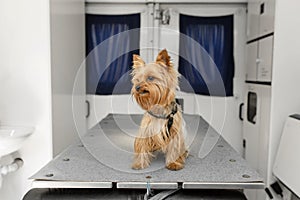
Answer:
[(163, 57), (137, 61)]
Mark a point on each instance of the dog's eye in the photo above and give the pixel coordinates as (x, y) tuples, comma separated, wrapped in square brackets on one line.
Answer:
[(150, 78)]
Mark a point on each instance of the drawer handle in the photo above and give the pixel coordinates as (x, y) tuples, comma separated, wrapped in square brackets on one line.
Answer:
[(88, 108)]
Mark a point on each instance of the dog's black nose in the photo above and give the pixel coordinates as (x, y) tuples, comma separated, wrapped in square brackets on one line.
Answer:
[(137, 87)]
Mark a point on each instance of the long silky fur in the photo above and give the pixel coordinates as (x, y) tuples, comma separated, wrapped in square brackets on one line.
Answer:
[(154, 134)]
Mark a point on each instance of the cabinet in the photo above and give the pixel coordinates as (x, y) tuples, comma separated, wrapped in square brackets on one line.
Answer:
[(264, 62), (259, 57), (259, 60), (283, 99), (256, 132), (266, 18), (260, 18), (260, 26)]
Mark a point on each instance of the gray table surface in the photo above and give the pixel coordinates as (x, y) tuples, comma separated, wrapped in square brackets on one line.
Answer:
[(104, 155)]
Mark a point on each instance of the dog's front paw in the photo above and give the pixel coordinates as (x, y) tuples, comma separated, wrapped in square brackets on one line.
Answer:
[(137, 166), (175, 166)]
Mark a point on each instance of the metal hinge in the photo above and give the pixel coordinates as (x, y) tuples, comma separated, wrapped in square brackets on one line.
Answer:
[(163, 16)]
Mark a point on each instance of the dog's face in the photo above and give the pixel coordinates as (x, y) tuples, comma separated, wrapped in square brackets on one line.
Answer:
[(154, 83)]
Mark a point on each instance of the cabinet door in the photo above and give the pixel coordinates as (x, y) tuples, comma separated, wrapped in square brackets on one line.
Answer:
[(265, 55), (256, 132), (267, 10), (251, 126), (113, 18), (251, 60), (212, 107), (260, 18), (253, 19)]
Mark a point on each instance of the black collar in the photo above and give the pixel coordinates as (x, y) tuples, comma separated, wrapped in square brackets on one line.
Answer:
[(173, 112), (168, 117)]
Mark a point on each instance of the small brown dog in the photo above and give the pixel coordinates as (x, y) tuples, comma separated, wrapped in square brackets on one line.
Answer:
[(154, 87)]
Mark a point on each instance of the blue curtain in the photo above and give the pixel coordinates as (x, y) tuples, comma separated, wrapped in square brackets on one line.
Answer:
[(107, 70), (215, 35)]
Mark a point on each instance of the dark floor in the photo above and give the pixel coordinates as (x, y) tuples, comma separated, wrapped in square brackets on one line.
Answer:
[(120, 194)]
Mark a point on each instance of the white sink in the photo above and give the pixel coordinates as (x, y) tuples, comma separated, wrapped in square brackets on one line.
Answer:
[(12, 138)]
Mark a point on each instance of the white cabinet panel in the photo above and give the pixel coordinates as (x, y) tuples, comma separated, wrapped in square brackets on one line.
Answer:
[(259, 60), (253, 18), (251, 60), (256, 132), (260, 18), (267, 10), (265, 55)]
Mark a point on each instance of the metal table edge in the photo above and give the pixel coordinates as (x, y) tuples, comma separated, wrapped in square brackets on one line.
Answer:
[(233, 185), (143, 185), (68, 184)]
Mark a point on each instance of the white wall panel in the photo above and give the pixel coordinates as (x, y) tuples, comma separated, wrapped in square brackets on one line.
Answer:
[(286, 70), (67, 55), (25, 85)]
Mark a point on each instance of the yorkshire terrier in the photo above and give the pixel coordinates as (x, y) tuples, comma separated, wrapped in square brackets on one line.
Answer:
[(161, 128)]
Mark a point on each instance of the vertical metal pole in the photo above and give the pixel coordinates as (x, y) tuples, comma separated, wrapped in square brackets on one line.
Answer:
[(150, 32), (156, 38)]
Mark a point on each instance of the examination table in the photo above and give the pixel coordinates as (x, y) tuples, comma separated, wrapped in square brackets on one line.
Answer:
[(99, 167)]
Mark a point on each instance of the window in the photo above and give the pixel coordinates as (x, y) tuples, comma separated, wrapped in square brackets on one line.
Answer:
[(215, 35), (105, 68)]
